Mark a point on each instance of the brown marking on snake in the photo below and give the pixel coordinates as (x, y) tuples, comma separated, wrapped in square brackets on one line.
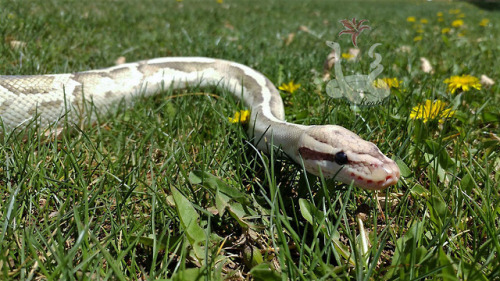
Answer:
[(109, 94), (229, 71), (276, 102), (51, 105), (181, 66), (5, 105), (119, 71), (78, 94), (82, 77), (247, 81), (30, 84), (78, 90), (310, 154), (147, 69)]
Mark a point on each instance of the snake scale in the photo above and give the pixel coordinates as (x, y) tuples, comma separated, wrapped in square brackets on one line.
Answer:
[(330, 150)]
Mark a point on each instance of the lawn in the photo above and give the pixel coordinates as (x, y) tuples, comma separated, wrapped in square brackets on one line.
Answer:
[(169, 188)]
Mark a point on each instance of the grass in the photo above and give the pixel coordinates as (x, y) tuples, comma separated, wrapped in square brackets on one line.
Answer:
[(171, 190)]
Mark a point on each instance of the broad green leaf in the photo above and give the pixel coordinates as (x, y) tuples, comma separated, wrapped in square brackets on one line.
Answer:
[(189, 222), (166, 243), (213, 183), (252, 256), (309, 212), (418, 190), (305, 210), (190, 274), (439, 210), (445, 161), (170, 110), (221, 202), (264, 272), (490, 117), (447, 272), (405, 170), (241, 214), (467, 183)]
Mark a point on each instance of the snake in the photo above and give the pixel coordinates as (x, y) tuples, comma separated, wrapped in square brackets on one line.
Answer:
[(331, 151)]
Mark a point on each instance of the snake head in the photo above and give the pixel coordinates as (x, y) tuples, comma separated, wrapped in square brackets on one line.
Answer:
[(340, 153)]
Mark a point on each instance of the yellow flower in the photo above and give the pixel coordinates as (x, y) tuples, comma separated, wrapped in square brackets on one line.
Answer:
[(418, 38), (241, 116), (440, 19), (454, 11), (411, 19), (445, 30), (347, 56), (484, 22), (387, 82), (439, 14), (290, 87), (431, 110), (424, 21), (420, 30), (464, 83), (220, 1), (462, 15), (457, 23)]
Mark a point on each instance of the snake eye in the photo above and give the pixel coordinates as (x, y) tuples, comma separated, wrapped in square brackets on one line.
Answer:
[(341, 158)]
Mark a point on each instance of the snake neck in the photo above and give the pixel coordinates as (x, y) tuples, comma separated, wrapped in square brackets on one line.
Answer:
[(270, 133)]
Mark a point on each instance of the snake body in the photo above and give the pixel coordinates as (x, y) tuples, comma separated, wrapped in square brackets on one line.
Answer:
[(330, 150)]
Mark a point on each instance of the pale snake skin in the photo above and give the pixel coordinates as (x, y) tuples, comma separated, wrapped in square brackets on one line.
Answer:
[(333, 150)]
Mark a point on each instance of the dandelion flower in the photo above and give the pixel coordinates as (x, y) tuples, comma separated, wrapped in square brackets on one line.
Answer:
[(462, 15), (241, 116), (387, 82), (424, 21), (411, 19), (484, 22), (440, 19), (347, 56), (431, 110), (445, 30), (454, 11), (439, 14), (291, 87), (418, 38), (457, 23), (464, 83)]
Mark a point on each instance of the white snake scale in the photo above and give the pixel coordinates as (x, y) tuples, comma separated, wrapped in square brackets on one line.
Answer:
[(334, 150)]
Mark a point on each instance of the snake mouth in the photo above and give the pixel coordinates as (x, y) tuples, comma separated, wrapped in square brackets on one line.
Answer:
[(380, 178)]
